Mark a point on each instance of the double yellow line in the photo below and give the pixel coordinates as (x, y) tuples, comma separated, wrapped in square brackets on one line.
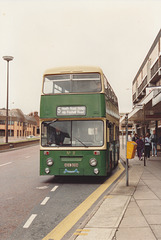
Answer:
[(64, 226), (81, 232)]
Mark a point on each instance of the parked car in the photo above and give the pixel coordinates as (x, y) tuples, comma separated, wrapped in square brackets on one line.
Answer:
[(30, 136)]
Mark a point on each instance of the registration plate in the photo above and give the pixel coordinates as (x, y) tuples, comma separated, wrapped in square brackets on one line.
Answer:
[(71, 165)]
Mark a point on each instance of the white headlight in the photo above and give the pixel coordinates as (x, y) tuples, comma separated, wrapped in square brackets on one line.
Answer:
[(93, 162), (49, 161), (47, 170), (96, 171)]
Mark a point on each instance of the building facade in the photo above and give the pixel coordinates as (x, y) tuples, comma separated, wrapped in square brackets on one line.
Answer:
[(19, 125), (146, 93), (149, 74)]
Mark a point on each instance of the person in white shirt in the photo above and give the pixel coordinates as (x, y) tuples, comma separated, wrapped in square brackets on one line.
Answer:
[(154, 143), (147, 145)]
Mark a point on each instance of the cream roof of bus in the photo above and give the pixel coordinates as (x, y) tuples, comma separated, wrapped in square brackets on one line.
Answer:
[(73, 69)]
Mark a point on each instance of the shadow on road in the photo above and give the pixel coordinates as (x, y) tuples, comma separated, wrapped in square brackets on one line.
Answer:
[(76, 179)]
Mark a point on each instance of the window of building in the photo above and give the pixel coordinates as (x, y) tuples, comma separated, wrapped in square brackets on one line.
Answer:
[(2, 122), (2, 133)]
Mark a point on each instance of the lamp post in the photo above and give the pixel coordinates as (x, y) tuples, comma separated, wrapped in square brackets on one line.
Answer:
[(11, 120), (7, 58), (127, 174)]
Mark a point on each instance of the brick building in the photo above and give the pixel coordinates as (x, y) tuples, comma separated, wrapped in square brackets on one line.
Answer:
[(19, 125)]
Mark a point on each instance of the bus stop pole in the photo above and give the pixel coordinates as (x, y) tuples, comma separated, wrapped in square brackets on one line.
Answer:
[(127, 174)]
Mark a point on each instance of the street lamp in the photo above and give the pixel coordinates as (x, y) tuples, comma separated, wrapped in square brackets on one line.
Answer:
[(7, 58), (127, 174), (11, 120)]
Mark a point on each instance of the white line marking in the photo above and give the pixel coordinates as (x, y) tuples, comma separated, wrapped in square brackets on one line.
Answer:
[(54, 188), (27, 156), (42, 188), (5, 164), (45, 200), (29, 221)]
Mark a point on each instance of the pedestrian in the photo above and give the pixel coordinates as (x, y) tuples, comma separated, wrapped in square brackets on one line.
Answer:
[(159, 141), (154, 143), (147, 145), (135, 137), (130, 137), (140, 147)]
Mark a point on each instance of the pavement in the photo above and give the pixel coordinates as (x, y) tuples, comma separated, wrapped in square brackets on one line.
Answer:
[(130, 212)]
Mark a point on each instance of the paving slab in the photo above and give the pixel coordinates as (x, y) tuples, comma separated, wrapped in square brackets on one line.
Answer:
[(148, 176), (152, 182), (133, 217), (143, 233), (110, 212), (95, 233), (157, 192), (153, 219), (120, 189), (150, 207), (141, 183), (143, 192), (157, 230)]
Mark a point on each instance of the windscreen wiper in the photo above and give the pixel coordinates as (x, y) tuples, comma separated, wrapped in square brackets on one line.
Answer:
[(48, 123), (80, 142)]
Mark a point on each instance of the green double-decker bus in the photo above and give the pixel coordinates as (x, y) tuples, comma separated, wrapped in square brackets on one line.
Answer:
[(79, 120)]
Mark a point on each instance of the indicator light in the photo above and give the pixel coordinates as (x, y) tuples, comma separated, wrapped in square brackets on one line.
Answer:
[(46, 153), (96, 152)]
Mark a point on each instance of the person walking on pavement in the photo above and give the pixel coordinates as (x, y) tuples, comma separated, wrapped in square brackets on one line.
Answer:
[(147, 145), (159, 141), (140, 147), (154, 143), (135, 137)]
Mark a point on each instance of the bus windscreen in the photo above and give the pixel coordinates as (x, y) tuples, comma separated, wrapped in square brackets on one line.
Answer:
[(72, 133)]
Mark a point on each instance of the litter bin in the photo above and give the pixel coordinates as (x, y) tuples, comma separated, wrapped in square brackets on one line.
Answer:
[(131, 149)]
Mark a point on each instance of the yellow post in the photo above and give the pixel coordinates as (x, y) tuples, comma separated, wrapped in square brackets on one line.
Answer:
[(131, 149)]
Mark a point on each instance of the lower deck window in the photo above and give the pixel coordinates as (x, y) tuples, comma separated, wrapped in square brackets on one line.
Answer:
[(72, 133)]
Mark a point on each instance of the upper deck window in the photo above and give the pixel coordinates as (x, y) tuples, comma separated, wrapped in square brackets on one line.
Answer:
[(72, 83)]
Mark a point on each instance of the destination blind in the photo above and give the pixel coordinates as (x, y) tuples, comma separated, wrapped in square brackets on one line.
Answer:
[(71, 111)]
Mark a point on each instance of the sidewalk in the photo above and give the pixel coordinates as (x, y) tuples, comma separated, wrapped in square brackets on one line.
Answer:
[(129, 212)]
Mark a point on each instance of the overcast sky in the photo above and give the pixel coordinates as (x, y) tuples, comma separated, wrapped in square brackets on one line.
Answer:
[(40, 34)]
